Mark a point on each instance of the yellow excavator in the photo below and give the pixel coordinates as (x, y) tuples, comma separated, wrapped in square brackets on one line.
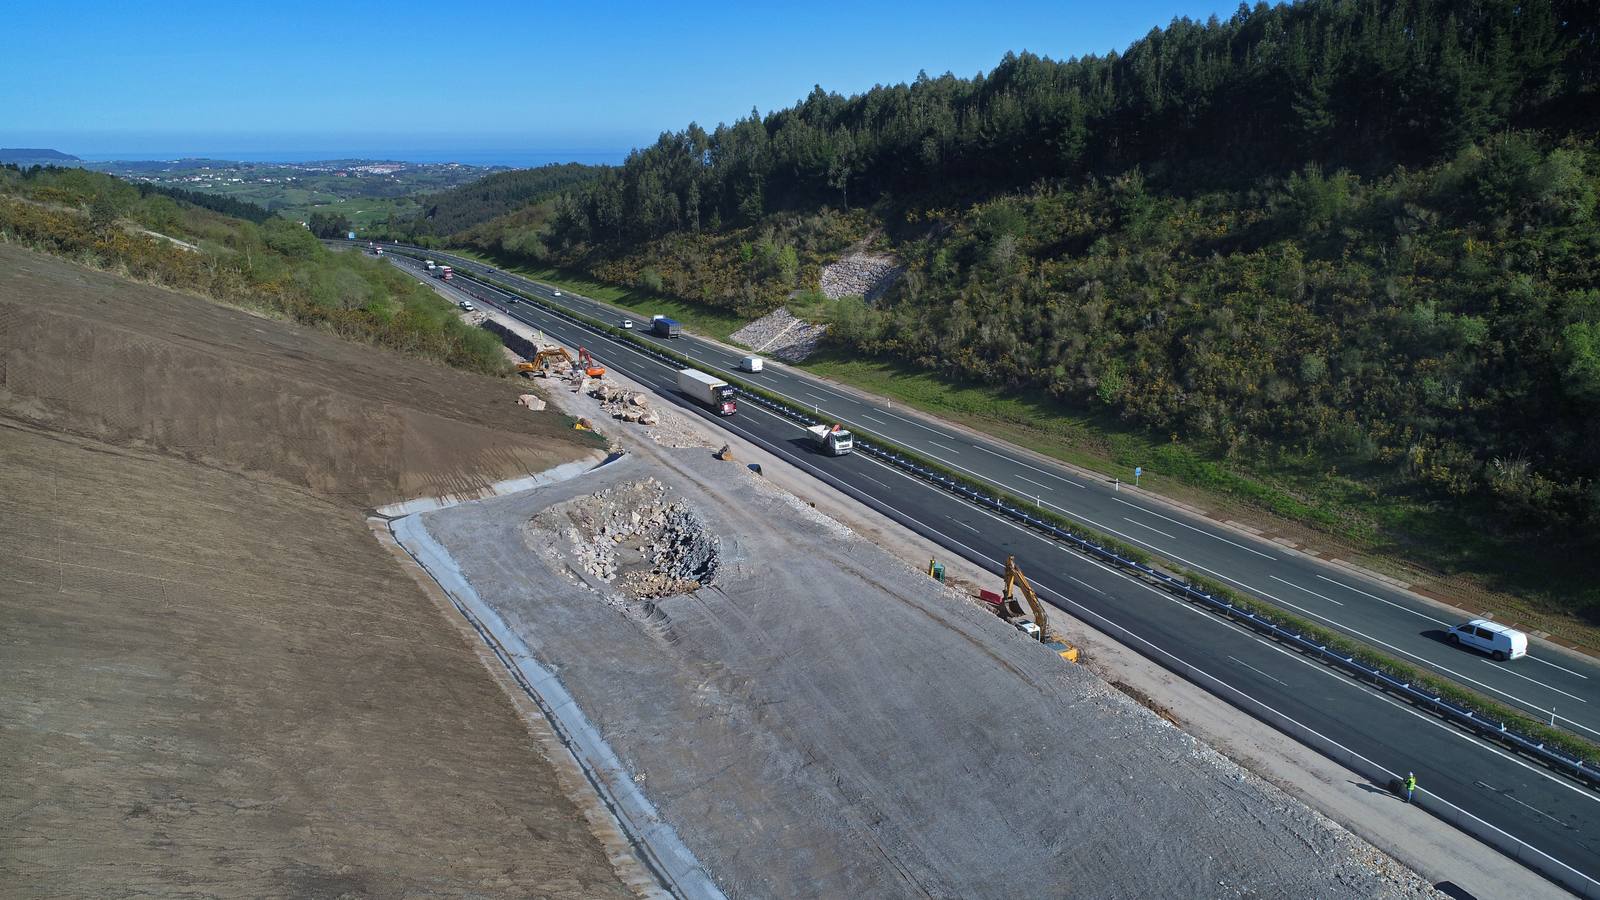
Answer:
[(544, 359), (541, 362), (1006, 607)]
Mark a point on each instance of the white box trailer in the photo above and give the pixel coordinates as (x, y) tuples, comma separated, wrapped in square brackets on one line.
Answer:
[(708, 390)]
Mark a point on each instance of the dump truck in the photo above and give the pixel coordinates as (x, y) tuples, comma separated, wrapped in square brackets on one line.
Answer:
[(708, 390), (665, 327), (831, 439)]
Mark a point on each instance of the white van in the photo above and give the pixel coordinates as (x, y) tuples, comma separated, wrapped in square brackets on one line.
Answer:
[(1495, 639), (751, 363)]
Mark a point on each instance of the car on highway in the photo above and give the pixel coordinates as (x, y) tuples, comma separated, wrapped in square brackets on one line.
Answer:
[(466, 306), (626, 324), (1492, 638), (555, 293)]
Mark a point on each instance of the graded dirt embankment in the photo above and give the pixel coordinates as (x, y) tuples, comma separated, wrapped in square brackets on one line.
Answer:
[(134, 365), (213, 681)]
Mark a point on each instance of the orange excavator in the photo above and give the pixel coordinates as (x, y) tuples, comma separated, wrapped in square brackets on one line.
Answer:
[(1006, 607), (591, 368)]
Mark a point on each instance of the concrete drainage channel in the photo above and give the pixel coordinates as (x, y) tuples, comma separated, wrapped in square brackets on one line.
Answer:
[(1466, 719)]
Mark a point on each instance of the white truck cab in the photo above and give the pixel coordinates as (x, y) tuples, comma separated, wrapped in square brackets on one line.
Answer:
[(1492, 638)]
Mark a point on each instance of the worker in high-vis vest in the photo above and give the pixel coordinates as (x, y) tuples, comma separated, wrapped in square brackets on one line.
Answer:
[(1411, 786)]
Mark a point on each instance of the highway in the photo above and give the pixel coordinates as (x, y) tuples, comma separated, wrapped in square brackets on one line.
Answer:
[(1548, 818), (1546, 682)]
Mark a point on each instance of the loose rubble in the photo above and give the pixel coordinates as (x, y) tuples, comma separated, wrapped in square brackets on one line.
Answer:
[(864, 275), (621, 403), (632, 537)]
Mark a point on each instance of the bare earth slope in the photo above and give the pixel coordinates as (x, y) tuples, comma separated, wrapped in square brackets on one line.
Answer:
[(213, 681), (137, 365)]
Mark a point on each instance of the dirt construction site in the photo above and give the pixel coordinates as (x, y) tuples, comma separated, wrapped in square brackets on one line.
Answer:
[(809, 716)]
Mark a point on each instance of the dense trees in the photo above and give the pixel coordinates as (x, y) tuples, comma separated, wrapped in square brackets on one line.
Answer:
[(460, 208), (1362, 85), (1360, 231), (329, 225)]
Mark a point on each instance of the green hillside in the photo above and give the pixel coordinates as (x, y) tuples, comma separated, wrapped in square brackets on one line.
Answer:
[(167, 237), (1342, 250)]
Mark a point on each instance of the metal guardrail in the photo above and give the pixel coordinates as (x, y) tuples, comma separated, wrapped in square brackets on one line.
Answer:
[(1457, 715)]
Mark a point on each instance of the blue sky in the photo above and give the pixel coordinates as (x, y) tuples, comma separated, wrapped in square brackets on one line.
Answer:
[(159, 77)]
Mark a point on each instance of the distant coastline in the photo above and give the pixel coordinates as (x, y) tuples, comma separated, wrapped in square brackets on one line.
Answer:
[(520, 159)]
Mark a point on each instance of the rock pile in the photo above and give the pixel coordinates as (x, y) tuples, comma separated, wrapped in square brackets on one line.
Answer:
[(781, 335), (634, 537), (621, 403), (860, 274)]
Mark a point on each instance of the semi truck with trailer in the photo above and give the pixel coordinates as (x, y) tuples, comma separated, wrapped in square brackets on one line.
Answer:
[(832, 440), (709, 391)]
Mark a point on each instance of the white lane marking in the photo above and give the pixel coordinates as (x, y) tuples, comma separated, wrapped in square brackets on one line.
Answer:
[(1088, 585), (1032, 482), (1334, 622), (1026, 466), (1512, 797), (1540, 659), (1426, 662), (1447, 625), (871, 419), (874, 480), (1500, 667), (1151, 527), (815, 397), (1256, 670), (943, 447), (963, 524), (1307, 590), (1193, 528), (1389, 602)]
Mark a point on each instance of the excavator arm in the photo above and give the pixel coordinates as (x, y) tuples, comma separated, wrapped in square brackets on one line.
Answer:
[(1014, 577)]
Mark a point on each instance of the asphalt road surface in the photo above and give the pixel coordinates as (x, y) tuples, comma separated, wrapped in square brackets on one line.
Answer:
[(1460, 776)]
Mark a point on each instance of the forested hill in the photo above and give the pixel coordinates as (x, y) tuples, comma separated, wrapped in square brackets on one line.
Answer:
[(460, 208), (1357, 84), (1343, 236)]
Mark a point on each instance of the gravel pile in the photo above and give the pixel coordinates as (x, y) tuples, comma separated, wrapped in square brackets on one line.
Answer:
[(860, 274), (632, 537), (781, 335)]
